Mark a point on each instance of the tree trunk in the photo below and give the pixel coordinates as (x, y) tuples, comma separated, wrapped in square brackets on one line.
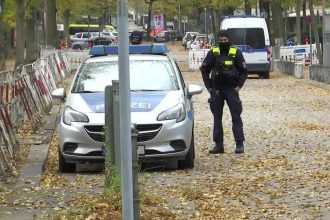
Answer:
[(2, 36), (51, 26), (278, 26), (213, 22), (66, 23), (298, 23), (20, 39), (31, 46), (264, 7), (304, 29), (316, 33), (149, 17), (247, 7)]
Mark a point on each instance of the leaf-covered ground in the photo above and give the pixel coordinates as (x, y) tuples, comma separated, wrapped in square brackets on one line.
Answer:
[(284, 173)]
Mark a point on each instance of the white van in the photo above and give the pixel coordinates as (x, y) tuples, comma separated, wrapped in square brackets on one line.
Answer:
[(251, 35)]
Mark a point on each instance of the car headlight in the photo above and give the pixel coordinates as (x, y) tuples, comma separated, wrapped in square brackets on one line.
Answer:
[(70, 115), (178, 112)]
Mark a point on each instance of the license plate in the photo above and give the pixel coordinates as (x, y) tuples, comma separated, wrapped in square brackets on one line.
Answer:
[(140, 149)]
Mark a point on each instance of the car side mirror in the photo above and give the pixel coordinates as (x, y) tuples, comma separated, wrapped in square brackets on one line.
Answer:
[(194, 90), (59, 94)]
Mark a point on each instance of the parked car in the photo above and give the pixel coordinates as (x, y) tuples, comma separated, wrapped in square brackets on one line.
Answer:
[(168, 35), (102, 38), (196, 41), (161, 107), (200, 41), (188, 37), (251, 35)]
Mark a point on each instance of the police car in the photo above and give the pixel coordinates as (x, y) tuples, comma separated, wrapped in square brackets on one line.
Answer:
[(161, 107)]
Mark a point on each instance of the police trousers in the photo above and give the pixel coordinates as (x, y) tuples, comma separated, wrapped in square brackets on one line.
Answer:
[(217, 101)]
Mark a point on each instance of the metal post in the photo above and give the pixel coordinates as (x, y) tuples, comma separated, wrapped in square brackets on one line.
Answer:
[(205, 20), (125, 112), (310, 47), (116, 123), (109, 126), (135, 167), (179, 18)]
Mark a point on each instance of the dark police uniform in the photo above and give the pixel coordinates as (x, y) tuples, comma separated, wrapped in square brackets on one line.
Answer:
[(222, 72)]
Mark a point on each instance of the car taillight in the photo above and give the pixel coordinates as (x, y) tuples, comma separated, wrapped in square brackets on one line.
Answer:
[(268, 53)]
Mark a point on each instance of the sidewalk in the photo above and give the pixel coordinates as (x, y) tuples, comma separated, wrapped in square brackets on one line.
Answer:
[(32, 170)]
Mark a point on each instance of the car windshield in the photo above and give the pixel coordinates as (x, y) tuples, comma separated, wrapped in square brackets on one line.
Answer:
[(145, 75)]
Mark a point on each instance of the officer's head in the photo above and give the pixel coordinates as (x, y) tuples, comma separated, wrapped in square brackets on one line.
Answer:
[(223, 39)]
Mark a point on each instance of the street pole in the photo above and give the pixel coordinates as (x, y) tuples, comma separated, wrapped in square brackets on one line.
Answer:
[(324, 53), (179, 17), (205, 20), (125, 112)]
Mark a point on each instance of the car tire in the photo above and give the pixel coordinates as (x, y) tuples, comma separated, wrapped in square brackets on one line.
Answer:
[(65, 167), (188, 162), (265, 75)]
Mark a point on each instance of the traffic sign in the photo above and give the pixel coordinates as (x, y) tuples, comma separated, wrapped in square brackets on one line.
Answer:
[(184, 19)]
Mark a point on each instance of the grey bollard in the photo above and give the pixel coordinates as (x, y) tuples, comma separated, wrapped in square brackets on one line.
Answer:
[(135, 167), (298, 71)]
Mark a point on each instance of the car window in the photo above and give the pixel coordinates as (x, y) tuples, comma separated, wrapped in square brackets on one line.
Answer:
[(253, 37), (95, 76), (85, 35)]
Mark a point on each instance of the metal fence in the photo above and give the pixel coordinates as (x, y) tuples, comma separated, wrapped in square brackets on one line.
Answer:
[(25, 95)]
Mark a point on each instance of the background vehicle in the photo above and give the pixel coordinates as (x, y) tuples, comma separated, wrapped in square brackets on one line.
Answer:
[(251, 35), (161, 108), (169, 35), (199, 41), (85, 40), (188, 34), (75, 28)]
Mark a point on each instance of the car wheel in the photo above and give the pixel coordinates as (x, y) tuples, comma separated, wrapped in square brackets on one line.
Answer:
[(65, 167), (188, 162), (265, 75)]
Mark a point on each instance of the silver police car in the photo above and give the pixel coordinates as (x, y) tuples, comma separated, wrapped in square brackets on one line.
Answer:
[(161, 108)]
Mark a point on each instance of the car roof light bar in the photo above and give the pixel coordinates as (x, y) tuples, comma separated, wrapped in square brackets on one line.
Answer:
[(155, 48)]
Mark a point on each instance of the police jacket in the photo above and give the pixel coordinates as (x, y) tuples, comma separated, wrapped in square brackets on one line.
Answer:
[(217, 62)]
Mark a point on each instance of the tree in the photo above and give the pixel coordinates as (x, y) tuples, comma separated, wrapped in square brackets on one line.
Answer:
[(149, 2), (51, 26), (298, 24), (316, 33), (30, 23), (20, 39), (278, 25), (2, 40)]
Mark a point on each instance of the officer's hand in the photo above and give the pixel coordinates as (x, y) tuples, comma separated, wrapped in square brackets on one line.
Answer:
[(237, 89)]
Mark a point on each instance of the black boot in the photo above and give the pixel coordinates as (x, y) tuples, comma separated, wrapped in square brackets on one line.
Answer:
[(239, 147), (217, 149)]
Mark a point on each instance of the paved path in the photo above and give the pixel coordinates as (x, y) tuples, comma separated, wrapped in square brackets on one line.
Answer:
[(284, 173)]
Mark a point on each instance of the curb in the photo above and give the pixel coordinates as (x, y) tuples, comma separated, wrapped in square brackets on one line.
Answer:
[(31, 171)]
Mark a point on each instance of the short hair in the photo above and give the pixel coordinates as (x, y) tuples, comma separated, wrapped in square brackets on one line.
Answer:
[(223, 33)]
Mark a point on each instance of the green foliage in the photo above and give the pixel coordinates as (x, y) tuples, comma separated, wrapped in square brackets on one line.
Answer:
[(9, 14)]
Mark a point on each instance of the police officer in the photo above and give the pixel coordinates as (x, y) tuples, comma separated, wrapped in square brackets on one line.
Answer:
[(136, 37), (224, 73)]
